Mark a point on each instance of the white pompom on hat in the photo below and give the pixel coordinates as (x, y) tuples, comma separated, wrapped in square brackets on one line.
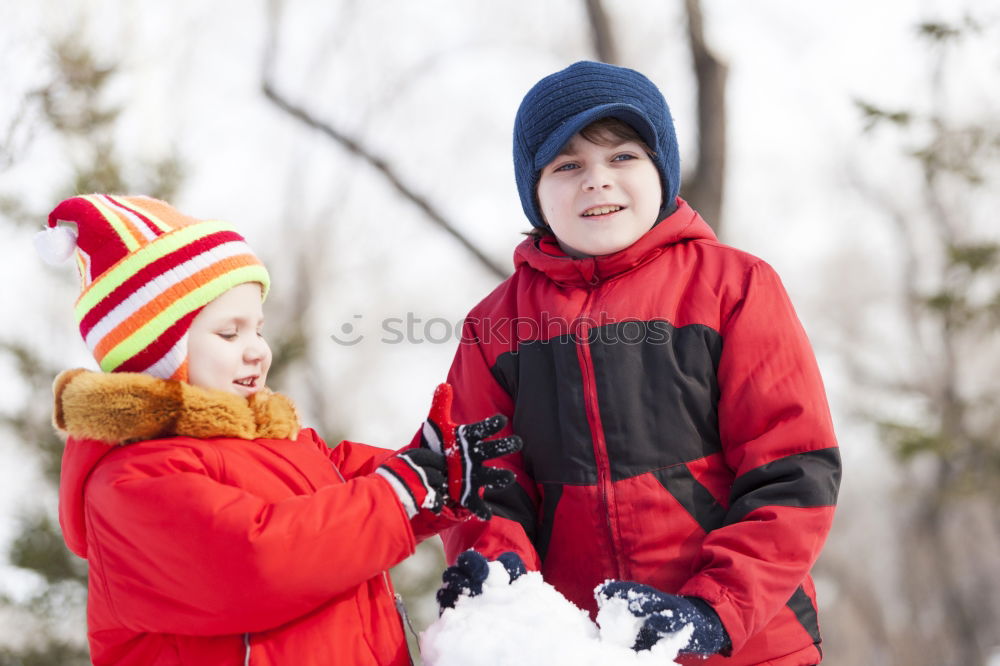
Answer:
[(55, 245)]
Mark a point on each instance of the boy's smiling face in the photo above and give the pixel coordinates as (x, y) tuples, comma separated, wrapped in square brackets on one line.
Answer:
[(225, 348), (599, 199)]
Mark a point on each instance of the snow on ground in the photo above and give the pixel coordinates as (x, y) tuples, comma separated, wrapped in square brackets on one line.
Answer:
[(528, 623)]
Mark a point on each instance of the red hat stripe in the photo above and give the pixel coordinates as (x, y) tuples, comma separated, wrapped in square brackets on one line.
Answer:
[(129, 234), (150, 221), (134, 231), (159, 212), (151, 272), (174, 361), (97, 234), (140, 227), (160, 347), (152, 305), (126, 266)]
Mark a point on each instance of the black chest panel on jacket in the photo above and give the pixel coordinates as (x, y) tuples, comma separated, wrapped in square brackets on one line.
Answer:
[(657, 394)]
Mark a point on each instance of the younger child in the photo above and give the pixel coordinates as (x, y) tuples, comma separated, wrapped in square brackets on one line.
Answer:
[(218, 531), (678, 447)]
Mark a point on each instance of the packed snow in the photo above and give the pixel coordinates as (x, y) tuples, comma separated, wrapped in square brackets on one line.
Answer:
[(528, 623)]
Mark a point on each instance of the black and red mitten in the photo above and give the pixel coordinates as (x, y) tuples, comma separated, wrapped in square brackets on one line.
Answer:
[(418, 477), (465, 448)]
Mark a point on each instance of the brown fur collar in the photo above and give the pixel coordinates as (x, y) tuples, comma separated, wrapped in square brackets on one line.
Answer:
[(126, 406)]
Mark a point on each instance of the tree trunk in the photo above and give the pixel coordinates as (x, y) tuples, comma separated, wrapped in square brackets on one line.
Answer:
[(704, 189), (601, 33)]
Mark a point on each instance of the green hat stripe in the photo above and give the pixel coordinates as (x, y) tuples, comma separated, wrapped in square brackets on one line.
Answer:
[(201, 296), (120, 229), (115, 276), (164, 227)]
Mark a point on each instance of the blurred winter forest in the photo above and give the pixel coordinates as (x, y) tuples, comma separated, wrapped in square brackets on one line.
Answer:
[(363, 147)]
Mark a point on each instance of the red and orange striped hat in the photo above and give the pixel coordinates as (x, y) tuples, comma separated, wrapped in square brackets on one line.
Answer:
[(146, 270)]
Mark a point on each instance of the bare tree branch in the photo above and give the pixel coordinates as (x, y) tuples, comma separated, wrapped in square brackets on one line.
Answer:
[(601, 33), (357, 149), (706, 187), (384, 168)]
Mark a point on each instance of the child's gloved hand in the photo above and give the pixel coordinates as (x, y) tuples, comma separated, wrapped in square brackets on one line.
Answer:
[(667, 614), (465, 448), (467, 575), (418, 477)]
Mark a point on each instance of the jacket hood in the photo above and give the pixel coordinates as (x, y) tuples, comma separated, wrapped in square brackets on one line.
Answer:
[(545, 255), (99, 411)]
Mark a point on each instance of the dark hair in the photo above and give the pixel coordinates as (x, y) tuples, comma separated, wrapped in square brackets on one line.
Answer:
[(603, 132), (607, 131)]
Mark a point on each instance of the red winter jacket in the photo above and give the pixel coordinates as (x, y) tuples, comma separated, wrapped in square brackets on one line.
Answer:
[(262, 547), (675, 426)]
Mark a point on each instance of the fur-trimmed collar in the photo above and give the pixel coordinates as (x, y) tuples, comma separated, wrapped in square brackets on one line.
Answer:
[(124, 407)]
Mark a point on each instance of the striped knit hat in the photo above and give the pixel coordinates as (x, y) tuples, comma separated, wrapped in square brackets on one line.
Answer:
[(146, 270)]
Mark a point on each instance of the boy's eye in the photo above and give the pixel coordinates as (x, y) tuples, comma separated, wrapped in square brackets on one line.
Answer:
[(566, 167), (227, 336), (623, 156)]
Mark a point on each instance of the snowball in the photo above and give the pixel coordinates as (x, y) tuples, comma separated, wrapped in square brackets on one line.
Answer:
[(528, 623)]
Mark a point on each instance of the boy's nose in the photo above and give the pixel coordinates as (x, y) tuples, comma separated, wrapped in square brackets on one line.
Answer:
[(597, 178)]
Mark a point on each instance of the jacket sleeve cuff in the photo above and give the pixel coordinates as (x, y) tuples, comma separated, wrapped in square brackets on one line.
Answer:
[(426, 524), (728, 610), (393, 498)]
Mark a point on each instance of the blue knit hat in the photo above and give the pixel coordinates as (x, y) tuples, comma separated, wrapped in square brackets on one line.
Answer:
[(562, 104)]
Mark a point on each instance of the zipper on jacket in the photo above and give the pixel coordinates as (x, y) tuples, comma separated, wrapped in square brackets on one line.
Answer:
[(401, 609), (404, 617), (246, 648), (604, 484)]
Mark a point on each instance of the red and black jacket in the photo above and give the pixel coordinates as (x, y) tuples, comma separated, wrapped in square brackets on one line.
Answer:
[(676, 431)]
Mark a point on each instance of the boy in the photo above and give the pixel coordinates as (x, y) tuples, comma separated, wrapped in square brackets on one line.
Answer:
[(678, 448), (218, 531)]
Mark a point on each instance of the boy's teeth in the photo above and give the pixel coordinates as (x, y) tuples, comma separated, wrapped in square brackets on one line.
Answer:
[(602, 210)]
